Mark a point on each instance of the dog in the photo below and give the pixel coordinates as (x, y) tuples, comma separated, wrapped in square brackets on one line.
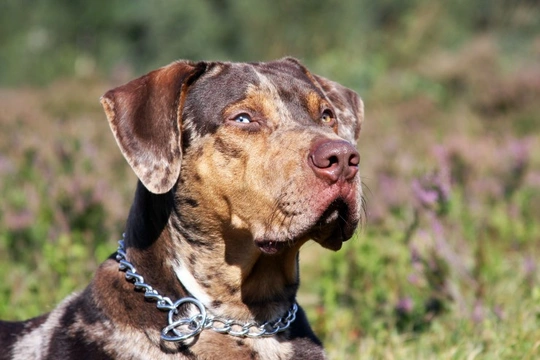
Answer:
[(238, 165)]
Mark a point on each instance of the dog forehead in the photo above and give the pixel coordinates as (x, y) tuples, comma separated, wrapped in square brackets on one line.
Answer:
[(231, 81), (223, 84)]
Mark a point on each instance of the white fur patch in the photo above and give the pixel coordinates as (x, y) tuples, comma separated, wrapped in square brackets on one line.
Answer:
[(35, 344), (127, 343), (190, 283), (271, 349)]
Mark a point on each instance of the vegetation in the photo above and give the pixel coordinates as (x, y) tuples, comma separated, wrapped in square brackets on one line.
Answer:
[(446, 265)]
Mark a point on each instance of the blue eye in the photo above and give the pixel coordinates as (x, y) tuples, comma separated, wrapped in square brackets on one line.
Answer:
[(243, 118)]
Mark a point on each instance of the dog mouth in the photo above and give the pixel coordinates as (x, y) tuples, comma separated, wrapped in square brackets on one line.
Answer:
[(271, 247), (334, 226)]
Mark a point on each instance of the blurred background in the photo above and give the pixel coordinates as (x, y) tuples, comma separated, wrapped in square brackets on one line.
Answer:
[(446, 264)]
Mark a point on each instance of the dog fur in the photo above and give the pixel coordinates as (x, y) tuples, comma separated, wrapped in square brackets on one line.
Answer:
[(239, 164)]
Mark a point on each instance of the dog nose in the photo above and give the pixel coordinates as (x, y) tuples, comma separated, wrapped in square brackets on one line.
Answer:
[(334, 159)]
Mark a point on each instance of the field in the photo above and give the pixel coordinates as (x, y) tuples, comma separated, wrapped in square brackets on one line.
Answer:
[(446, 264)]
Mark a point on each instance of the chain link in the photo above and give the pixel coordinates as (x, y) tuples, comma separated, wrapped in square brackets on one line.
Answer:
[(183, 328)]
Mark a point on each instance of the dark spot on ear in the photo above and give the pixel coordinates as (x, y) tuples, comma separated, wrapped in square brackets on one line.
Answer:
[(216, 303), (197, 177), (240, 342), (164, 182), (254, 355), (147, 176)]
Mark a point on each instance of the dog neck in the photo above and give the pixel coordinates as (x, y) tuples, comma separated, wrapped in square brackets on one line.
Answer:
[(222, 269)]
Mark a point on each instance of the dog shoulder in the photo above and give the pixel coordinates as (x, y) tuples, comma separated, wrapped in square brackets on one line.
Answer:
[(30, 339), (60, 334), (304, 343), (12, 332)]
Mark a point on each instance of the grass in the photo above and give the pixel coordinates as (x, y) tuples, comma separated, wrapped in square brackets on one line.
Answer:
[(444, 267)]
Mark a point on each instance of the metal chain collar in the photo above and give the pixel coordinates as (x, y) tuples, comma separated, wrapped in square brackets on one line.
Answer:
[(183, 328)]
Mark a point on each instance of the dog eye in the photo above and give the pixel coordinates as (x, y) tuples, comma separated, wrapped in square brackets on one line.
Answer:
[(242, 118), (327, 117)]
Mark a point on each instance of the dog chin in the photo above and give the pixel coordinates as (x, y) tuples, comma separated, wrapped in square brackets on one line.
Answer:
[(335, 240), (337, 225)]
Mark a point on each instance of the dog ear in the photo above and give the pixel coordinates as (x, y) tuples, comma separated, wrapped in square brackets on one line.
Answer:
[(348, 106), (145, 117)]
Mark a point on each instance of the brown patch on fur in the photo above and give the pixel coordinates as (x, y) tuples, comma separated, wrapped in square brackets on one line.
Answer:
[(313, 104)]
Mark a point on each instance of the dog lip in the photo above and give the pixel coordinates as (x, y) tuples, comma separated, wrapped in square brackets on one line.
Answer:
[(270, 247), (338, 209), (338, 223)]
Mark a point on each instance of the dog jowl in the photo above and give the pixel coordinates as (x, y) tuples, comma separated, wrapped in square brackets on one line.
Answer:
[(239, 164)]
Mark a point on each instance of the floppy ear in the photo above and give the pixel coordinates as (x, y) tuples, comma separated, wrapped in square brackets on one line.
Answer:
[(145, 116), (348, 106)]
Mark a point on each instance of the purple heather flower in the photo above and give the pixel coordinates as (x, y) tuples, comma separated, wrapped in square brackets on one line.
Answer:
[(431, 190), (405, 305), (499, 312), (519, 151), (414, 279), (529, 266), (478, 313), (18, 220), (425, 196)]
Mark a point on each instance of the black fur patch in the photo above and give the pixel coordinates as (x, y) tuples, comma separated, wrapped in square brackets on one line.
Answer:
[(74, 346)]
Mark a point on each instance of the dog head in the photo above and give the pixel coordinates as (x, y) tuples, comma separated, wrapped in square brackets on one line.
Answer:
[(263, 151)]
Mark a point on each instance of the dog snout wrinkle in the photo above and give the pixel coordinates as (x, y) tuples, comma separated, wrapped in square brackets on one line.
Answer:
[(333, 160)]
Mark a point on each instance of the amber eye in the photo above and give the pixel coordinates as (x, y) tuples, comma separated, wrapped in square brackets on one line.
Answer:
[(327, 117), (242, 118)]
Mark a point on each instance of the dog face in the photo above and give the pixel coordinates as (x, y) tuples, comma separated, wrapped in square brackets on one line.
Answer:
[(269, 148)]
